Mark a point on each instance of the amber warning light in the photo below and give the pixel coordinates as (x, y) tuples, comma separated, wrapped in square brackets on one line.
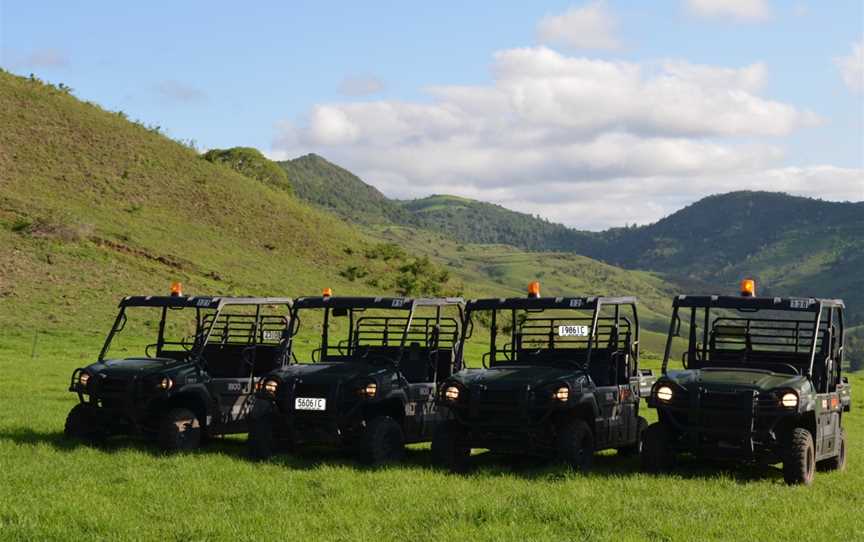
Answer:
[(176, 289), (534, 289), (748, 288), (327, 292)]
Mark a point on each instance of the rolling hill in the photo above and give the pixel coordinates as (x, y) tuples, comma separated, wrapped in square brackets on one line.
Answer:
[(94, 207)]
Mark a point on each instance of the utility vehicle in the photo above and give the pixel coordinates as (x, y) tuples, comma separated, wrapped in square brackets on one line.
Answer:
[(178, 368), (560, 378), (761, 382), (368, 378)]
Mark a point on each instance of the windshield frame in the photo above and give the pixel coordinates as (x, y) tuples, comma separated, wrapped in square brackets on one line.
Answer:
[(748, 305), (540, 305), (201, 335)]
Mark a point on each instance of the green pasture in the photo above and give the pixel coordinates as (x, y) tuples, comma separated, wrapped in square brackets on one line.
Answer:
[(127, 490)]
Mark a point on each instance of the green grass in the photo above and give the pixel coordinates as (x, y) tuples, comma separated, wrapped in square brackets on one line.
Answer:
[(127, 490)]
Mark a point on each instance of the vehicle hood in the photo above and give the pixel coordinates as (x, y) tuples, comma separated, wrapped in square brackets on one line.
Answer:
[(131, 367), (324, 372), (514, 377), (720, 379)]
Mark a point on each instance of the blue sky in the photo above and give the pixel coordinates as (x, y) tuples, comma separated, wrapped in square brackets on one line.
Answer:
[(360, 83)]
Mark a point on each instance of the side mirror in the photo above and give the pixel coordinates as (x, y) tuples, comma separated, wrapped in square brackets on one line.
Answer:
[(677, 326)]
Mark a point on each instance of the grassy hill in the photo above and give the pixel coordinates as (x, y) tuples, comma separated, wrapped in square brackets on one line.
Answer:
[(93, 207), (473, 221), (338, 190)]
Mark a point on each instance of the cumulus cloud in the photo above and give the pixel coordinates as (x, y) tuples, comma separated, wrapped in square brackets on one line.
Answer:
[(176, 92), (569, 137), (852, 67), (592, 26), (739, 10), (360, 85)]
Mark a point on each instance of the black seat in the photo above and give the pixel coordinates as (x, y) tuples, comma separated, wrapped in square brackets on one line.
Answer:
[(415, 363), (600, 368)]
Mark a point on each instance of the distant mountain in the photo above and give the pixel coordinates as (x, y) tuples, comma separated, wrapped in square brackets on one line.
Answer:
[(791, 245), (338, 190), (473, 221)]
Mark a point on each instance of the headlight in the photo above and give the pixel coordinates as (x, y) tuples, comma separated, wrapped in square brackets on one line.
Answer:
[(562, 394), (369, 390), (789, 400), (451, 393), (664, 393), (165, 383), (83, 379), (270, 386)]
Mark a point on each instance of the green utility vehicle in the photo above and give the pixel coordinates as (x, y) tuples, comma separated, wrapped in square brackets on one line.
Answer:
[(369, 377), (178, 368), (761, 382), (561, 379)]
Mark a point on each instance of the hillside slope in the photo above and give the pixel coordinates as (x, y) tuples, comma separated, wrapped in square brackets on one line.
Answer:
[(93, 207), (338, 190)]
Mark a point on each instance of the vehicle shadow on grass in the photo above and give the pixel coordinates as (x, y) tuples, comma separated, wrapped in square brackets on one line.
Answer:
[(485, 463), (612, 465)]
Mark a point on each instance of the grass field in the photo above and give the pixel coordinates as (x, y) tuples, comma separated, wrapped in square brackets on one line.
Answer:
[(127, 490)]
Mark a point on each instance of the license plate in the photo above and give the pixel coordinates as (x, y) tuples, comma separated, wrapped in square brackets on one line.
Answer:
[(310, 403)]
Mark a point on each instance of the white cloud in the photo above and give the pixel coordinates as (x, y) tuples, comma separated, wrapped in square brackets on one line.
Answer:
[(587, 142), (361, 85), (739, 10), (644, 200), (852, 67), (592, 26)]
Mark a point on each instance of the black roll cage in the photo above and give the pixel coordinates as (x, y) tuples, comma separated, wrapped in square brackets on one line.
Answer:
[(540, 304), (203, 326), (745, 304), (361, 304)]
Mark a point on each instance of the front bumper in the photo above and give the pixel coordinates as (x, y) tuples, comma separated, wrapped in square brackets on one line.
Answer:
[(119, 402), (337, 425), (507, 421), (739, 424)]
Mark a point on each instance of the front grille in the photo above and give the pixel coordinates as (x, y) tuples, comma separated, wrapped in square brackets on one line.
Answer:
[(312, 390), (112, 385), (500, 397)]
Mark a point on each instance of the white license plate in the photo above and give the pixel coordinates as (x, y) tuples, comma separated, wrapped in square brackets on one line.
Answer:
[(310, 403)]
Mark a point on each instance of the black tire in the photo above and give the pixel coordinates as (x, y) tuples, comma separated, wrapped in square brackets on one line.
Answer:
[(657, 455), (383, 442), (179, 430), (576, 445), (799, 463), (81, 424), (449, 448), (636, 447), (838, 462)]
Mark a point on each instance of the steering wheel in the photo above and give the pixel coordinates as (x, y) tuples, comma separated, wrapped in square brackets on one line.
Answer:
[(147, 349)]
